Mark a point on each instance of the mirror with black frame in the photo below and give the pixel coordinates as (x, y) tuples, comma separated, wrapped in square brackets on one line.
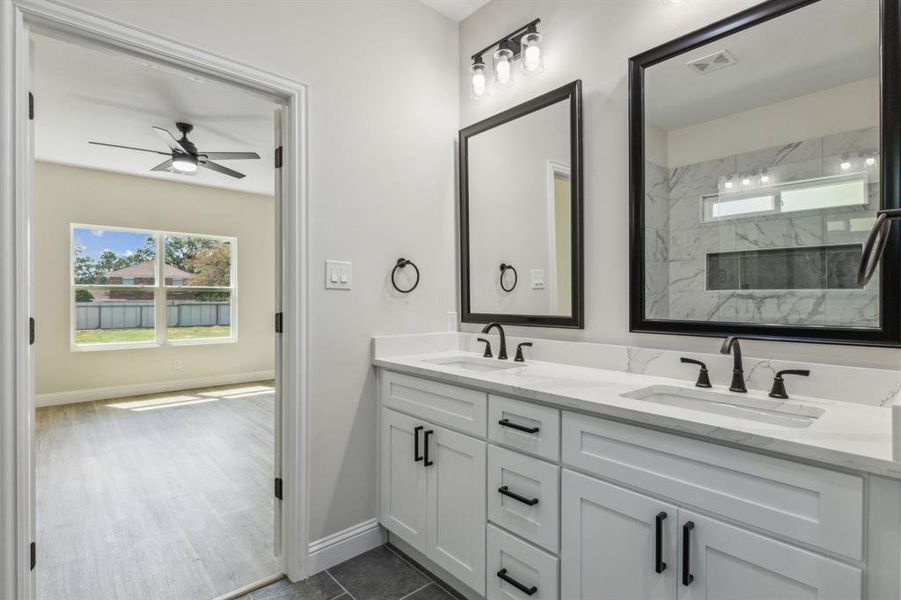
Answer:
[(521, 214), (759, 159)]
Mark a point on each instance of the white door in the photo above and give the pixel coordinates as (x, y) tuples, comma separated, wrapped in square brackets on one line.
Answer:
[(403, 477), (724, 562), (610, 548), (456, 495)]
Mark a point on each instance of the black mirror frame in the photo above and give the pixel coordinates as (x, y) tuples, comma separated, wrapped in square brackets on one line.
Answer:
[(889, 333), (573, 93)]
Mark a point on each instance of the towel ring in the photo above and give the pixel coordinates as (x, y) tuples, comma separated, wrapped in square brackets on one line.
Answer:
[(504, 269), (402, 263)]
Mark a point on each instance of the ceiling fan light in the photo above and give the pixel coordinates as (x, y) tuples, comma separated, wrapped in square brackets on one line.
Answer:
[(184, 164)]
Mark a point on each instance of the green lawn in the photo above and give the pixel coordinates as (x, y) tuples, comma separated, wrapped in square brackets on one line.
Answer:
[(120, 336)]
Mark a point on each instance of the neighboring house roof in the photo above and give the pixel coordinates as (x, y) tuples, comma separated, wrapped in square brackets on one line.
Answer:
[(148, 269)]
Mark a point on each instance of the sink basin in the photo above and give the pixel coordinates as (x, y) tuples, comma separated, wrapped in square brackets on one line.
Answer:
[(774, 412), (473, 363)]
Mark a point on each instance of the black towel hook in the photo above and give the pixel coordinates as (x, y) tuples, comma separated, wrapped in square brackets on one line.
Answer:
[(504, 268), (401, 264)]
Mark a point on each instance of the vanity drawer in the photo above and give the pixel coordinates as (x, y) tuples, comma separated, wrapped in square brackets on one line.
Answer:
[(439, 403), (809, 504), (510, 557), (529, 503), (542, 425)]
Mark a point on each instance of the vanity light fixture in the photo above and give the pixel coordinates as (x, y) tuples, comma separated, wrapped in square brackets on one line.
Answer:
[(503, 65), (523, 44), (729, 184), (532, 61), (746, 181), (764, 177), (479, 87), (846, 165)]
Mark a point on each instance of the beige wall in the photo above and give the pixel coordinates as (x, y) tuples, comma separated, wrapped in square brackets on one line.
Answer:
[(65, 195)]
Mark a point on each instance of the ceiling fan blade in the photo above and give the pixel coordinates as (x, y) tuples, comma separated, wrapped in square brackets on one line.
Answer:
[(230, 155), (129, 148), (163, 166), (170, 140), (221, 169)]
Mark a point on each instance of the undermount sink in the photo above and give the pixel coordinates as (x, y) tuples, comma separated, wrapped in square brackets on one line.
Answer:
[(473, 363), (774, 412)]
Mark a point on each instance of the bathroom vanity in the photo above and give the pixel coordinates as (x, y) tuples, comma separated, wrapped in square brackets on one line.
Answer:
[(546, 481)]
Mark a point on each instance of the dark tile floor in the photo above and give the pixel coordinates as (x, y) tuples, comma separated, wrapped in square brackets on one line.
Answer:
[(383, 573)]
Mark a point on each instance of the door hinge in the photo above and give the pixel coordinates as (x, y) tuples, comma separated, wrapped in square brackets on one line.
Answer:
[(31, 331), (34, 555), (279, 322), (30, 106), (278, 157), (278, 488)]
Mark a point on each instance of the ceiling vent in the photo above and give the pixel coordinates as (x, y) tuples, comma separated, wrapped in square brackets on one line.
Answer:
[(712, 62)]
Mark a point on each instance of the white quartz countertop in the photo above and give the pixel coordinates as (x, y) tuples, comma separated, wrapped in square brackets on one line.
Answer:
[(851, 436)]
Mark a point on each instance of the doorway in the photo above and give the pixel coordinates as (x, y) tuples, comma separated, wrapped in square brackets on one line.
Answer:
[(20, 21)]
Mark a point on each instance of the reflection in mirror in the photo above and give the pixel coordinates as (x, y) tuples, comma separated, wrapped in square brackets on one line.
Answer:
[(761, 176), (520, 200)]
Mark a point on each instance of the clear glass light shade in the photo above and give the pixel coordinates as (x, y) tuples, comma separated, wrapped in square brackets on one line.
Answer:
[(532, 60), (503, 67), (478, 81)]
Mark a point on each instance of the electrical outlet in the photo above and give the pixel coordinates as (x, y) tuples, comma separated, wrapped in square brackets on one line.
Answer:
[(537, 279), (338, 275), (176, 364)]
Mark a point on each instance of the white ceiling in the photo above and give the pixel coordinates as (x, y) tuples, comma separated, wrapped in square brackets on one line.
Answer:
[(84, 94), (824, 45), (455, 10)]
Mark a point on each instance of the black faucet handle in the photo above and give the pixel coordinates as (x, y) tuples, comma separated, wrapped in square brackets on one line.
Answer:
[(487, 343), (778, 389), (703, 374), (519, 357)]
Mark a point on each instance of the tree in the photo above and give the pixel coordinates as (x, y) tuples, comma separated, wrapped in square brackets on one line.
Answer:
[(211, 265), (83, 296), (181, 250)]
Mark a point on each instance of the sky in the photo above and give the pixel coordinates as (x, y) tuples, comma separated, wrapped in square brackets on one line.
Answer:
[(96, 241)]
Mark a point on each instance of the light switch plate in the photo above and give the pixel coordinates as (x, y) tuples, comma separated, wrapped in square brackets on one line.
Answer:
[(537, 279), (338, 275)]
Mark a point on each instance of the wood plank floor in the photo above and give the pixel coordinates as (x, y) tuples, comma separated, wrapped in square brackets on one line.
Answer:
[(156, 497)]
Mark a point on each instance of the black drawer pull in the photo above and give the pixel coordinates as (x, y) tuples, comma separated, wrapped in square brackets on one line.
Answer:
[(528, 591), (506, 492), (507, 423), (659, 565), (687, 577), (425, 439), (416, 456)]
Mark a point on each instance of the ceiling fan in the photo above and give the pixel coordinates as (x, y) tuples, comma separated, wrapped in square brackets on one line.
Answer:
[(184, 157)]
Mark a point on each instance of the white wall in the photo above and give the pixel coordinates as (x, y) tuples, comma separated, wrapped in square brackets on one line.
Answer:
[(839, 109), (592, 41), (509, 208), (65, 195), (383, 118)]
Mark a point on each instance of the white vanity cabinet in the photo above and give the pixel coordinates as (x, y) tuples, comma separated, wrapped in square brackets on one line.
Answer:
[(525, 497), (432, 479)]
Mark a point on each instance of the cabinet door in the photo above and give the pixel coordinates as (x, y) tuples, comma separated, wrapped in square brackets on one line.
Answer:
[(729, 563), (403, 478), (456, 499), (609, 543)]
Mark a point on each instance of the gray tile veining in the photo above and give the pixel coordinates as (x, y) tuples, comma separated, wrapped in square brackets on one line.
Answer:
[(677, 242)]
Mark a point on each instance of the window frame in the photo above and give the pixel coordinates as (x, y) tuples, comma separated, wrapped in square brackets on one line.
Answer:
[(160, 292)]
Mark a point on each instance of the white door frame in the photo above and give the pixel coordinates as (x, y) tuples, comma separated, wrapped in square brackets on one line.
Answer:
[(17, 19)]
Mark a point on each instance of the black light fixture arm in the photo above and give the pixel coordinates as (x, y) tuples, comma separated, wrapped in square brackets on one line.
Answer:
[(511, 40)]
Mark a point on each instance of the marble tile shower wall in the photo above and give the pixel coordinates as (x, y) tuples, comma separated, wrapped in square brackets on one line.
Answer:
[(677, 242)]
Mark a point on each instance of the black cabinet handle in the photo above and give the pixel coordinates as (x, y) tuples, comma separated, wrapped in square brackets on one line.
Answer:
[(687, 577), (659, 565), (416, 455), (504, 490), (528, 591), (507, 423), (425, 440)]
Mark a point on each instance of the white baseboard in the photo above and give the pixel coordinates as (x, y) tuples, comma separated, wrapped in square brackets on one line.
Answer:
[(156, 387), (334, 549)]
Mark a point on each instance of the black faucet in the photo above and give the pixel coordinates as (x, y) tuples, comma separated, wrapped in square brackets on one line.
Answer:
[(730, 344), (502, 353)]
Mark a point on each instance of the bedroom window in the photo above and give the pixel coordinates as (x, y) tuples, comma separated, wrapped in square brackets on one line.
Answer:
[(144, 288)]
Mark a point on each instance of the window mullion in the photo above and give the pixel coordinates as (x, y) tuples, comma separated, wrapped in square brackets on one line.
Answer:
[(159, 293)]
